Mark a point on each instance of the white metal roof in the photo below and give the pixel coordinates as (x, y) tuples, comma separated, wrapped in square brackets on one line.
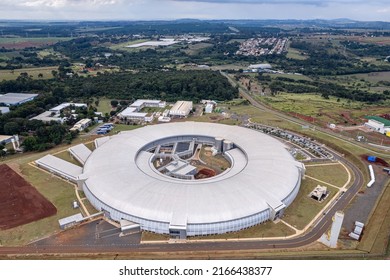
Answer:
[(15, 98), (121, 175), (80, 153), (60, 166), (71, 219)]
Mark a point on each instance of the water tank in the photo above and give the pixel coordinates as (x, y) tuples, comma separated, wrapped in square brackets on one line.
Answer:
[(219, 144), (227, 145)]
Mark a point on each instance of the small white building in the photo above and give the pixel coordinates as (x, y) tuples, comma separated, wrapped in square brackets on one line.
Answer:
[(209, 108), (181, 109), (375, 125), (63, 106), (131, 113), (81, 125), (142, 103)]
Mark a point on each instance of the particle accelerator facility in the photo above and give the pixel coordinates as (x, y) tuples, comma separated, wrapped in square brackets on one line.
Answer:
[(187, 179)]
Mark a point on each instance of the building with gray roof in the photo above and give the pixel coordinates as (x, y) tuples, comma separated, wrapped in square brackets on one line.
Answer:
[(14, 99)]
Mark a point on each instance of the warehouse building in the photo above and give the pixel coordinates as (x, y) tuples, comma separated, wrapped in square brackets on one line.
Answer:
[(15, 99), (181, 109)]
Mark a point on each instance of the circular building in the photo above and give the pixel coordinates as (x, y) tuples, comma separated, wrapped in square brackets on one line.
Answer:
[(149, 176)]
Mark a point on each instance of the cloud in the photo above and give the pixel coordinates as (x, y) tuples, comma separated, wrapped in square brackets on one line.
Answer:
[(283, 2), (65, 3)]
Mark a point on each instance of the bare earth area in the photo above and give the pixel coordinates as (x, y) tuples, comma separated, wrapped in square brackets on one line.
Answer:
[(20, 203)]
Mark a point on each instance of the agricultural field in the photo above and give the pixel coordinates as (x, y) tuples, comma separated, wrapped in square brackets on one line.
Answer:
[(296, 54), (194, 49), (19, 43), (323, 111), (32, 72)]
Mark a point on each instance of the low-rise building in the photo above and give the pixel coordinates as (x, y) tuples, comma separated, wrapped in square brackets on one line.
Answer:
[(81, 125), (378, 124), (15, 99), (181, 109)]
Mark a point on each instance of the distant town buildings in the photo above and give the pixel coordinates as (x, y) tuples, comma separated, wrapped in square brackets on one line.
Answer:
[(262, 46)]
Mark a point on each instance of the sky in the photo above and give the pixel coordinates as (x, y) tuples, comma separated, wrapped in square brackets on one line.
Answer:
[(370, 10)]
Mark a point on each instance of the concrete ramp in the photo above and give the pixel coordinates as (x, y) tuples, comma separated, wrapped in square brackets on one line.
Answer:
[(80, 153), (60, 167)]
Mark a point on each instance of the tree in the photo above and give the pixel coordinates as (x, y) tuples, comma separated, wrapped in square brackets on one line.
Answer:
[(30, 143), (114, 103), (12, 128)]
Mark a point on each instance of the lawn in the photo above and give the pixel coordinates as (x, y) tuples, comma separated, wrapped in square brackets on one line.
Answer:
[(268, 229), (65, 155), (304, 208), (57, 191), (104, 105), (376, 235), (332, 174), (34, 72)]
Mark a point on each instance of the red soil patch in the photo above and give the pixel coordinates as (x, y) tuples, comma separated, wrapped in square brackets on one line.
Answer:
[(303, 117), (205, 173), (378, 161), (20, 203)]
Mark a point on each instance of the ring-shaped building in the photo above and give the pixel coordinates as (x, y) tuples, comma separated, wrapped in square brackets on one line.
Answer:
[(119, 178)]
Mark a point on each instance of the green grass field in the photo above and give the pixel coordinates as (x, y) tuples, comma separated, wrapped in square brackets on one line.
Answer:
[(296, 54), (104, 105), (34, 72), (332, 174), (304, 208), (194, 49), (268, 229), (65, 155)]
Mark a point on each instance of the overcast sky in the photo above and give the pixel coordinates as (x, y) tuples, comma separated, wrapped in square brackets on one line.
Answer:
[(201, 9)]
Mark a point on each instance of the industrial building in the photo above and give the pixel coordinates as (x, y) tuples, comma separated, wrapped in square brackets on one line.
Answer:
[(15, 99), (81, 125), (119, 178), (378, 124), (181, 109), (133, 111), (59, 108)]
